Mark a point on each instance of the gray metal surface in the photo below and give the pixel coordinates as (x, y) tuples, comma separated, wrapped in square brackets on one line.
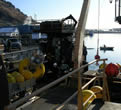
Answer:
[(97, 105), (111, 106), (105, 106), (54, 97), (50, 99)]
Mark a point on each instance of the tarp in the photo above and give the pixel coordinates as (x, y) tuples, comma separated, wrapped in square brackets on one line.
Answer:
[(38, 36)]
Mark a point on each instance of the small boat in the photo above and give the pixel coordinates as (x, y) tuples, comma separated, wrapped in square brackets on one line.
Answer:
[(106, 48), (90, 33), (90, 48)]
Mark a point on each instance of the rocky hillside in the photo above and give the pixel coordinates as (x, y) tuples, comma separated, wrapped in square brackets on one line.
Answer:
[(10, 15)]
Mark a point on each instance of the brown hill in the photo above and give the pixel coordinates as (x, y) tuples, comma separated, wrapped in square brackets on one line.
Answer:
[(9, 15)]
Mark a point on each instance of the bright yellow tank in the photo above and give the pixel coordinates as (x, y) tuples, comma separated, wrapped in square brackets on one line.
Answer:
[(18, 76), (27, 74), (10, 78)]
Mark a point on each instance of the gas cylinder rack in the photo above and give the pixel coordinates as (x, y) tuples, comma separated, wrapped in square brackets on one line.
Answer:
[(11, 61)]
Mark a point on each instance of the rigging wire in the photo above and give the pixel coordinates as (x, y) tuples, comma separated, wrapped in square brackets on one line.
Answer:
[(97, 55), (98, 26)]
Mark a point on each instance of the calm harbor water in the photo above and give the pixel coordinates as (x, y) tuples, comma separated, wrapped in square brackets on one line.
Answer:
[(111, 40)]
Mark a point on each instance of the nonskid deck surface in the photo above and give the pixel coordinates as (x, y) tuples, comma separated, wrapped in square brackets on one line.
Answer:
[(50, 99), (105, 106), (54, 97), (96, 105)]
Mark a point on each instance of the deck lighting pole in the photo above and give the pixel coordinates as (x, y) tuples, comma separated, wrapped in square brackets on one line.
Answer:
[(79, 37)]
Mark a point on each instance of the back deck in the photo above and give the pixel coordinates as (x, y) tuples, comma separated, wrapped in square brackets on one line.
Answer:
[(52, 98)]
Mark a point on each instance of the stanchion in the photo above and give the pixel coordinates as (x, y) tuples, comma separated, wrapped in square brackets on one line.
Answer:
[(106, 96)]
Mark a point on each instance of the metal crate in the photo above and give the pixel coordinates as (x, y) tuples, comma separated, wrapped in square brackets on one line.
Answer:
[(30, 83), (13, 88), (21, 86)]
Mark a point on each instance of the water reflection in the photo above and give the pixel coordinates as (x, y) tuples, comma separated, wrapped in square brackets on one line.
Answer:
[(111, 40)]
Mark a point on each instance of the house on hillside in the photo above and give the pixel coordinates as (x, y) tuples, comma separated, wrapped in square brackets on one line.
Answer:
[(9, 32)]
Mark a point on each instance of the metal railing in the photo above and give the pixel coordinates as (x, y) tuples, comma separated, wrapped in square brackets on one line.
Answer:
[(75, 94), (105, 93), (14, 105), (21, 53), (17, 56)]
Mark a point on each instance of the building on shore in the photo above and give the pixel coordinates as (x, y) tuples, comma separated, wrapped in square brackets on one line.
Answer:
[(9, 32)]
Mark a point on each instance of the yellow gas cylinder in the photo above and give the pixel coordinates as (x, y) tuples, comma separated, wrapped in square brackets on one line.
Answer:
[(10, 78), (20, 78), (27, 74), (98, 91)]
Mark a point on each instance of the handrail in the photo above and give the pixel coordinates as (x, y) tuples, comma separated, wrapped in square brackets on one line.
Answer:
[(74, 94), (88, 100), (19, 51), (24, 99), (83, 87)]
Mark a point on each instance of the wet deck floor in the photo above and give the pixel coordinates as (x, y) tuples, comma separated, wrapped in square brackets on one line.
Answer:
[(56, 96), (50, 100), (105, 106), (97, 105)]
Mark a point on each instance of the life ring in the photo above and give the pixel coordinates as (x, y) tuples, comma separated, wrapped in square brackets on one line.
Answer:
[(39, 71), (98, 91), (24, 64), (86, 94)]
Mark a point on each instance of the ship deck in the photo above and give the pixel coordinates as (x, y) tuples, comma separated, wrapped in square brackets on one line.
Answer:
[(55, 96)]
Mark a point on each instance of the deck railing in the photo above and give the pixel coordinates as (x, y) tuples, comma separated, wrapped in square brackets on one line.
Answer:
[(23, 53), (17, 56), (14, 105), (105, 91)]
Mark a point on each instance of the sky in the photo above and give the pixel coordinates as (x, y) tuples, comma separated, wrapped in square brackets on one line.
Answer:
[(58, 9)]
